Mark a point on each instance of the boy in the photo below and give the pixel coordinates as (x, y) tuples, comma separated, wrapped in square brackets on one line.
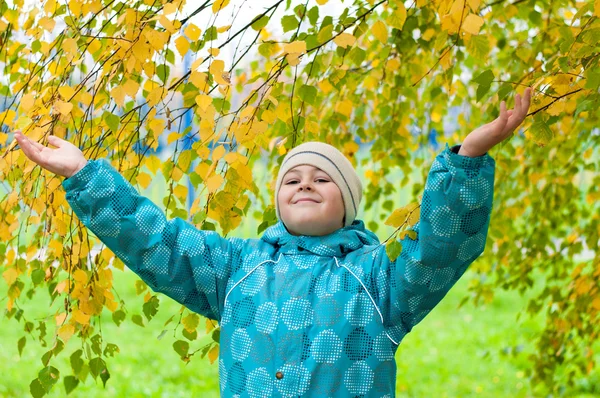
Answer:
[(314, 307)]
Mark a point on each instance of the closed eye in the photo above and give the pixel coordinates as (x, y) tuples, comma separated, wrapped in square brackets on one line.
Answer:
[(294, 181)]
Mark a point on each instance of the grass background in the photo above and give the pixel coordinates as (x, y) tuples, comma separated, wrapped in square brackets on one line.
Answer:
[(454, 352)]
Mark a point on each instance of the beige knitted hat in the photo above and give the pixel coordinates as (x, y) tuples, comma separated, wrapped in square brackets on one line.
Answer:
[(335, 164)]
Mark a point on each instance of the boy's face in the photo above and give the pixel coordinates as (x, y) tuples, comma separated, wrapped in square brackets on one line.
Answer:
[(309, 202)]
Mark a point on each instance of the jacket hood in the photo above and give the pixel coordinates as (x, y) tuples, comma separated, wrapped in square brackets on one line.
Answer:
[(336, 244)]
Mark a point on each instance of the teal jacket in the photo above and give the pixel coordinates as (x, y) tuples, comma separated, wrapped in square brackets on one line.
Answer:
[(300, 315)]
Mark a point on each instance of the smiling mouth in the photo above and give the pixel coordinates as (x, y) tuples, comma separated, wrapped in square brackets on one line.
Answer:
[(307, 200)]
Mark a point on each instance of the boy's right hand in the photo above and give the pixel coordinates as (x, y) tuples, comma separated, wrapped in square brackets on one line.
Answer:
[(65, 160)]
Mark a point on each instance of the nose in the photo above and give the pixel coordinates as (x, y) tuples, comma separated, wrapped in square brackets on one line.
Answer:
[(303, 185)]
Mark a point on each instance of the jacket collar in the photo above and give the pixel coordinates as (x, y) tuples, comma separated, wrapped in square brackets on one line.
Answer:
[(336, 244)]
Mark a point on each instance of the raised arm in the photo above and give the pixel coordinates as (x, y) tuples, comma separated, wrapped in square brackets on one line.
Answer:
[(452, 230), (171, 256)]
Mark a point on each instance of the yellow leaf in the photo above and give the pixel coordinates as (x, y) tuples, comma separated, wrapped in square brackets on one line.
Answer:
[(70, 46), (192, 32), (60, 318), (169, 8), (27, 102), (181, 192), (10, 276), (217, 70), (472, 24), (223, 28), (80, 276), (380, 31), (218, 153), (64, 108), (344, 40), (397, 218), (118, 94), (65, 332), (295, 47), (398, 17), (293, 59), (474, 4), (199, 80), (213, 354), (182, 45), (47, 23), (144, 180), (131, 87), (325, 86), (597, 8), (596, 303), (80, 317), (157, 126), (214, 182), (7, 117), (218, 5), (203, 101), (268, 116), (344, 107), (167, 24), (322, 2), (415, 213), (66, 92), (214, 51), (172, 137)]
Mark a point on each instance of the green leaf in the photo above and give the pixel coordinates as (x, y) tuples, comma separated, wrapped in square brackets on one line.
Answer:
[(112, 121), (140, 287), (211, 34), (216, 335), (150, 307), (118, 317), (37, 276), (540, 133), (190, 335), (481, 91), (504, 90), (289, 22), (36, 389), (313, 15), (137, 319), (479, 47), (97, 365), (308, 94), (393, 249), (48, 377), (260, 23), (46, 357), (357, 55), (21, 345), (70, 383), (181, 347), (191, 322), (163, 71), (485, 78), (98, 368), (76, 361)]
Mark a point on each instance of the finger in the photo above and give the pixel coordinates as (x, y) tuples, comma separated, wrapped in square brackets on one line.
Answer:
[(503, 112), (56, 141), (518, 107), (527, 100), (28, 149)]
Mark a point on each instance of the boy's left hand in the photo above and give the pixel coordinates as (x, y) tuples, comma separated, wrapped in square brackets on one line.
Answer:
[(484, 138)]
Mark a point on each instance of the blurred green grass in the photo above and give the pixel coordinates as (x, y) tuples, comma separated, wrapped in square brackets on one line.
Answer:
[(454, 352)]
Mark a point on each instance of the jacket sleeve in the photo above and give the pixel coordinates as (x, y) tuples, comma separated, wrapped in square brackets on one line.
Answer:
[(171, 256), (451, 234)]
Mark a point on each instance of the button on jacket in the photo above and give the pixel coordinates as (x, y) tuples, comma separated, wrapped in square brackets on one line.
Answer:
[(315, 316)]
